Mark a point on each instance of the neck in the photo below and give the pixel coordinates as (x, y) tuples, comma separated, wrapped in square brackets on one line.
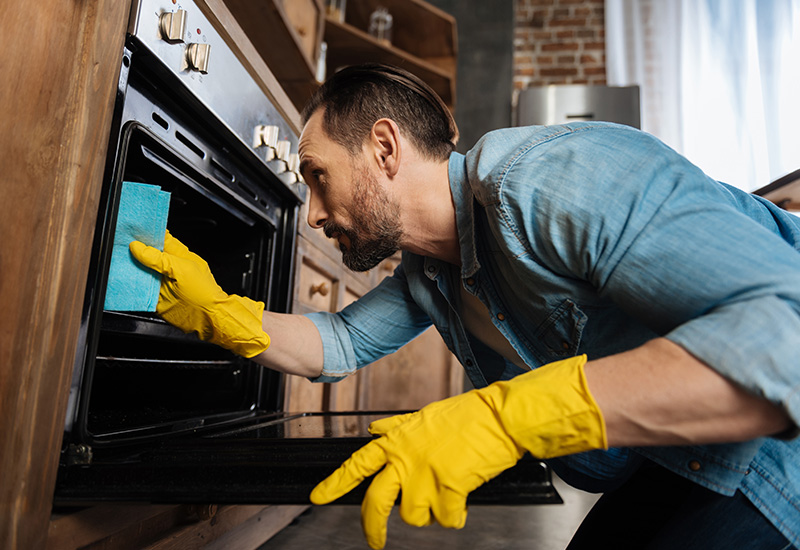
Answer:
[(428, 212)]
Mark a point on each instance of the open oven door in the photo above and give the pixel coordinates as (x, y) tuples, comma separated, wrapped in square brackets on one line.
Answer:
[(271, 459)]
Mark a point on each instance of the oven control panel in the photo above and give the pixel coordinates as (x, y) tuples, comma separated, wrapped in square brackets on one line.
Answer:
[(184, 40)]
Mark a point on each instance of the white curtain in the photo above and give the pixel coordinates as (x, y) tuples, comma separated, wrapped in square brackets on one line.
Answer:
[(720, 80)]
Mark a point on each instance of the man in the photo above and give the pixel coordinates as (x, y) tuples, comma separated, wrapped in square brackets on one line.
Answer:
[(540, 247)]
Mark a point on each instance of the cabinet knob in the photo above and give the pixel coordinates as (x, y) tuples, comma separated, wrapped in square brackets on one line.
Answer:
[(322, 288)]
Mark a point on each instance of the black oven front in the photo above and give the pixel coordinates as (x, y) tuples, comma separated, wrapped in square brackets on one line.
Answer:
[(155, 414)]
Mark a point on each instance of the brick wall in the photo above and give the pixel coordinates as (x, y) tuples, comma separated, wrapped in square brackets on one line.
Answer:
[(559, 42)]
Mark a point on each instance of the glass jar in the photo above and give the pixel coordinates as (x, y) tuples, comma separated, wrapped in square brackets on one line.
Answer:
[(336, 9), (380, 25)]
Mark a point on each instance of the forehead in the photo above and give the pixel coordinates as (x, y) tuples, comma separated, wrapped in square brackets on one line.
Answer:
[(313, 136), (315, 147)]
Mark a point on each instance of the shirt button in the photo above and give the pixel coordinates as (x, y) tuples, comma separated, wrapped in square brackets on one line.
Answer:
[(694, 465), (500, 317), (470, 281), (468, 362), (431, 268), (565, 344)]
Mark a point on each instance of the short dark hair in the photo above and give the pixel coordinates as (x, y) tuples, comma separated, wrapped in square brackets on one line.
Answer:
[(356, 97)]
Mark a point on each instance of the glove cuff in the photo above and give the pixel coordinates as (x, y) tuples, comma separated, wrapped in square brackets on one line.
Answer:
[(238, 326), (550, 411)]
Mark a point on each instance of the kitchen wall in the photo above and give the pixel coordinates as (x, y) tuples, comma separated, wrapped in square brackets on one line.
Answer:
[(559, 42), (485, 66), (507, 45)]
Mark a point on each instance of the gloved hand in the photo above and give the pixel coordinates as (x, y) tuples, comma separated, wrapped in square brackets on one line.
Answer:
[(441, 453), (192, 300)]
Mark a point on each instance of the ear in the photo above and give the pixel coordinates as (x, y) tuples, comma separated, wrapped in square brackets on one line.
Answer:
[(384, 144)]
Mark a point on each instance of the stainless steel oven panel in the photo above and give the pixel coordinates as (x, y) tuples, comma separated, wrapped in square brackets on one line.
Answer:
[(227, 89)]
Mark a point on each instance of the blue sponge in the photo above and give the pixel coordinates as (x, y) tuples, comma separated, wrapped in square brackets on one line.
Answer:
[(142, 216)]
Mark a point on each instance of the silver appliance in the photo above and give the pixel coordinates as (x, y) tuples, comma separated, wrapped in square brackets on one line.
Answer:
[(558, 104)]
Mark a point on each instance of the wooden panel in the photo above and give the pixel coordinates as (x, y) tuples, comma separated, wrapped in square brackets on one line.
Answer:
[(231, 528), (415, 375), (60, 63), (277, 42), (302, 395), (317, 288), (176, 527), (307, 19), (129, 522), (315, 269)]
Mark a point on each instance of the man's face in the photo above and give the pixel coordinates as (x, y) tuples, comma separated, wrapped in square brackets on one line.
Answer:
[(347, 201)]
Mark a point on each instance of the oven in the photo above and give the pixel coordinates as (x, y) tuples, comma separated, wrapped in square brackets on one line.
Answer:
[(157, 415)]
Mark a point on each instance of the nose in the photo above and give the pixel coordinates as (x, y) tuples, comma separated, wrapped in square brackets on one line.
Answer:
[(317, 215)]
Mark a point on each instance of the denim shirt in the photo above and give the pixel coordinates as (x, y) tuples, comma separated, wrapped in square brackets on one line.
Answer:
[(595, 238)]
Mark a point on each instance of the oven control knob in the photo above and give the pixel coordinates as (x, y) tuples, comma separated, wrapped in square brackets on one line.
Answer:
[(266, 136), (292, 173), (172, 25), (197, 56), (289, 177), (282, 150), (293, 163)]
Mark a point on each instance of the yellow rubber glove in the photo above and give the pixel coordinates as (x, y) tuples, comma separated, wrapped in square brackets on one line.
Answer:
[(192, 300), (439, 454)]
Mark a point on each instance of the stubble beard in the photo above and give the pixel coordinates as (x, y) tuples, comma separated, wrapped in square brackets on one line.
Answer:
[(375, 232)]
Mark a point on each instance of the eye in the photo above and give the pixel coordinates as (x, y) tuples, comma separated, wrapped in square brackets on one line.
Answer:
[(319, 177)]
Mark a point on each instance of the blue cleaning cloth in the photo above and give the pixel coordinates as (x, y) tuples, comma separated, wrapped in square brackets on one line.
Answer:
[(142, 217)]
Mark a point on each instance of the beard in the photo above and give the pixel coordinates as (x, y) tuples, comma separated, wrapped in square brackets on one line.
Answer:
[(374, 233)]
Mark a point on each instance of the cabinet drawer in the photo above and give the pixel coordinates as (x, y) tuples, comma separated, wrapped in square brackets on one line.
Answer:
[(317, 287)]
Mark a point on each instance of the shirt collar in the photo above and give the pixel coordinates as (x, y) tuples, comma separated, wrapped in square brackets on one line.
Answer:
[(465, 217)]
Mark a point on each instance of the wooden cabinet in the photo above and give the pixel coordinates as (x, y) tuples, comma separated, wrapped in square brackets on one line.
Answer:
[(424, 41)]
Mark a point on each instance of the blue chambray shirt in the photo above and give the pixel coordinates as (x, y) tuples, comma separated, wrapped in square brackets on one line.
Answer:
[(595, 238)]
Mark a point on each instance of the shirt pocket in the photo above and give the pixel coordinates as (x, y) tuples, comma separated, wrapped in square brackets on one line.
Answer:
[(560, 334)]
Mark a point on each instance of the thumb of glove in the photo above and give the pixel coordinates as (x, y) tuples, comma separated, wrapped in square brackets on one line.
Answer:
[(149, 256)]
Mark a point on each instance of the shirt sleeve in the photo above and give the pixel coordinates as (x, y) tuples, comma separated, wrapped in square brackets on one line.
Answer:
[(676, 250), (375, 325)]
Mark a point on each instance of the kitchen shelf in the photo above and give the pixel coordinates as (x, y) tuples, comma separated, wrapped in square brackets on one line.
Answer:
[(287, 35), (349, 45)]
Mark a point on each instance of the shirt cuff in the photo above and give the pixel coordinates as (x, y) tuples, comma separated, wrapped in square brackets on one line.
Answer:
[(339, 359)]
